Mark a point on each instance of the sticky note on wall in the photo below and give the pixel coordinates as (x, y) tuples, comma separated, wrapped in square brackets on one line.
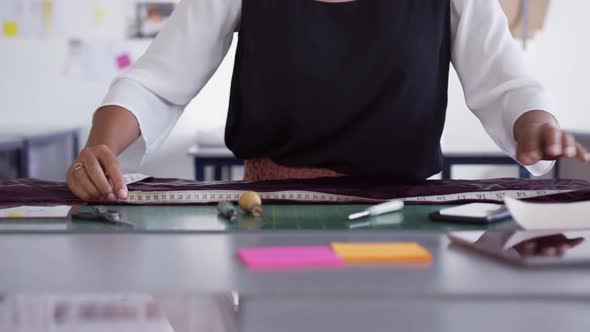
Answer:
[(47, 21), (400, 252), (99, 15), (123, 61), (47, 8), (10, 28)]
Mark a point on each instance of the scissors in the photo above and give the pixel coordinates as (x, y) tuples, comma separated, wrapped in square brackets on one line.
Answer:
[(99, 214)]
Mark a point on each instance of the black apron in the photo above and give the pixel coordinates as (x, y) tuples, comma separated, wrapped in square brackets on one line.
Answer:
[(357, 87)]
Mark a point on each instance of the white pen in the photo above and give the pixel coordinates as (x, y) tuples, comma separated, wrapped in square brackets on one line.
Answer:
[(387, 207)]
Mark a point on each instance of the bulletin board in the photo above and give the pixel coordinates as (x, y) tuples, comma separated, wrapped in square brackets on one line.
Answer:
[(102, 35)]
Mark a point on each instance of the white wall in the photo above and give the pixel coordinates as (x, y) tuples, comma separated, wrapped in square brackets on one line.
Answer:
[(33, 90)]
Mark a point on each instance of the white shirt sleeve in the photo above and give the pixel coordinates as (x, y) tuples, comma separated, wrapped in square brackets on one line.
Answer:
[(490, 64), (176, 66)]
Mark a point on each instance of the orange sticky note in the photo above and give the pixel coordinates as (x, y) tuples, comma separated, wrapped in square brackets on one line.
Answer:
[(10, 28), (388, 252)]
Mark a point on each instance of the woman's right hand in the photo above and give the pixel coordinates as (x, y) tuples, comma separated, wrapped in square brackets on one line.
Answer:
[(96, 175)]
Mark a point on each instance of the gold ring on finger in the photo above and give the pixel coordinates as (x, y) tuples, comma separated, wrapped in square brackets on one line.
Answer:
[(77, 167)]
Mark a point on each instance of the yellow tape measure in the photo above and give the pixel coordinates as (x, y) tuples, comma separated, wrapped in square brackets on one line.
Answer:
[(216, 196)]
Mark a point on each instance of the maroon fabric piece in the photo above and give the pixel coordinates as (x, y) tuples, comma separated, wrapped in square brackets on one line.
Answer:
[(31, 191)]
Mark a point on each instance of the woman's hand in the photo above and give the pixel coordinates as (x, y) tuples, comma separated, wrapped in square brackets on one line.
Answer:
[(551, 245), (539, 137), (96, 175)]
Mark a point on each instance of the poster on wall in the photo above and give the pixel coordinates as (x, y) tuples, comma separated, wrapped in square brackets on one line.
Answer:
[(83, 19), (101, 60), (97, 60), (95, 19)]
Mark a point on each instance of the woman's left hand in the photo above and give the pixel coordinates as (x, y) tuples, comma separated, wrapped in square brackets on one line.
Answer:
[(539, 137)]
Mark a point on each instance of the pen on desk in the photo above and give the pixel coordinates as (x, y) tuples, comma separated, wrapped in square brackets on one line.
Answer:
[(235, 300), (379, 209), (227, 210)]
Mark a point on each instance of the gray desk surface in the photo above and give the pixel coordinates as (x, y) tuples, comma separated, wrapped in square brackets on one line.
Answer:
[(206, 263), (210, 152), (363, 314), (188, 251), (23, 131), (216, 313), (9, 140)]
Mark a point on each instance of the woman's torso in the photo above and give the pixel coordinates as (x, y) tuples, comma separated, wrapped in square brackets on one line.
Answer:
[(356, 88)]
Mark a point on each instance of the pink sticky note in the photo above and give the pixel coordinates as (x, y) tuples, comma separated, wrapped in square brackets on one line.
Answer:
[(274, 258), (123, 61)]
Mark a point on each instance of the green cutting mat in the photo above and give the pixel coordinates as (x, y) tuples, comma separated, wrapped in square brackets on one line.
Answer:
[(276, 217)]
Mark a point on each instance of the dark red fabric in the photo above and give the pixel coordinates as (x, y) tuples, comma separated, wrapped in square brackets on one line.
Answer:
[(30, 191)]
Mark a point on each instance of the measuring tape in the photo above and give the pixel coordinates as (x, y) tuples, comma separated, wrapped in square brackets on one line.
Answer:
[(215, 196)]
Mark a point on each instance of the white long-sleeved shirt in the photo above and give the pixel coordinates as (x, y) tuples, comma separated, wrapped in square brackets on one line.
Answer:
[(498, 88)]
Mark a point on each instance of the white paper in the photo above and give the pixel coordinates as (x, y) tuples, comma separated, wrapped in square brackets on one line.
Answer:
[(101, 60), (474, 210), (98, 59), (539, 216), (42, 226), (23, 212), (95, 19), (133, 178)]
